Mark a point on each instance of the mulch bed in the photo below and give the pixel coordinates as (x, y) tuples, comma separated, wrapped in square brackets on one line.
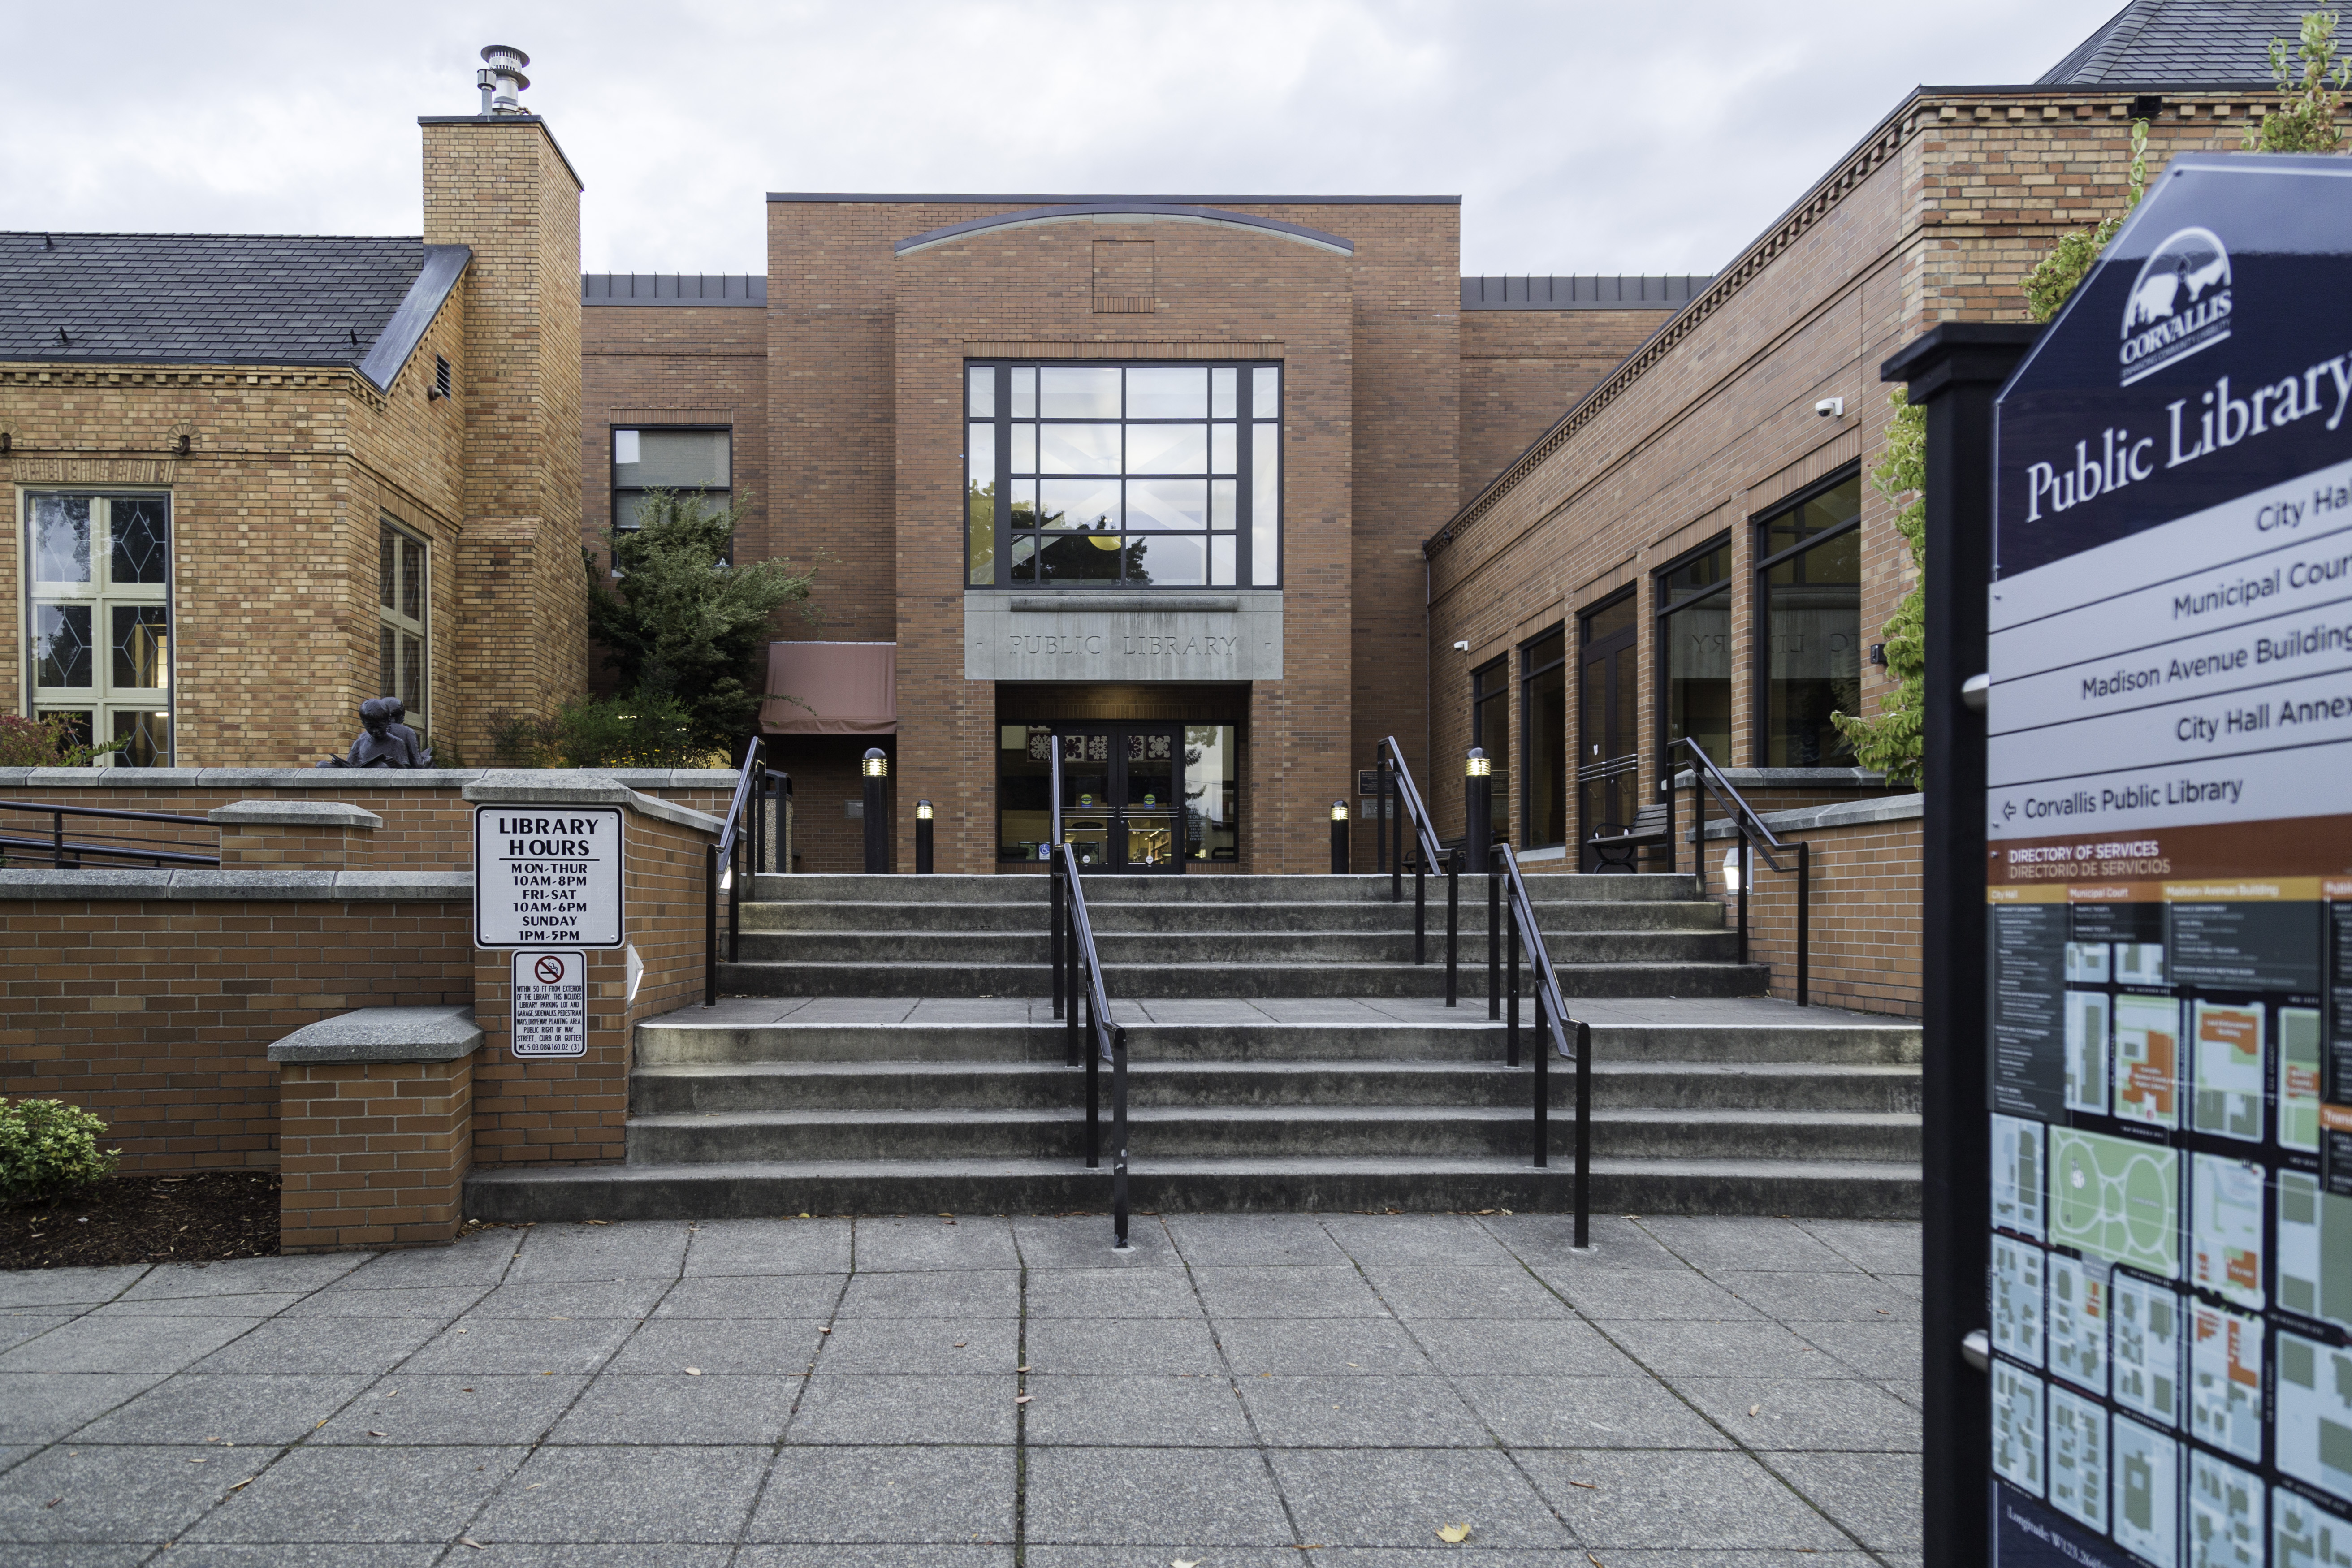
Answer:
[(197, 1218)]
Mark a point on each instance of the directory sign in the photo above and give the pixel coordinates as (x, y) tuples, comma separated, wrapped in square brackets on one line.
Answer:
[(2170, 891)]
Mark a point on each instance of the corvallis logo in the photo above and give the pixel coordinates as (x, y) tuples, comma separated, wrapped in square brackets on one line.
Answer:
[(2179, 303)]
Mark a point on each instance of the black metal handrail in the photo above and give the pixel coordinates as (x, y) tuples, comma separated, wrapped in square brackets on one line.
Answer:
[(728, 852), (1396, 784), (1081, 984), (1552, 1020), (66, 854), (1754, 836)]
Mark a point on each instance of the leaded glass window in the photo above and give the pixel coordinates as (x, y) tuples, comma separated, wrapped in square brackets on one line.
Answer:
[(100, 618), (404, 607), (1158, 476)]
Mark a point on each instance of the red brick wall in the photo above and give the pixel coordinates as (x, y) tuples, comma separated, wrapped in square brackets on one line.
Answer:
[(1864, 915), (371, 1154), (1522, 370)]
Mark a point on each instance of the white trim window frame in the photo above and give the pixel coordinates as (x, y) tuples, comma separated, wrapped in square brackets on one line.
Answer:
[(97, 616), (403, 619)]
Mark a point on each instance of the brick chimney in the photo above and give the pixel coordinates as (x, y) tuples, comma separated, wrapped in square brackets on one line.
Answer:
[(497, 184)]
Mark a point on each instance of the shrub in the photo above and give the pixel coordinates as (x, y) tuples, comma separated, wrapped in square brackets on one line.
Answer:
[(2305, 121), (56, 741), (640, 731), (48, 1146)]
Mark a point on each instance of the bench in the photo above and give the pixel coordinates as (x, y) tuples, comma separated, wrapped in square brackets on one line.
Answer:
[(1619, 847)]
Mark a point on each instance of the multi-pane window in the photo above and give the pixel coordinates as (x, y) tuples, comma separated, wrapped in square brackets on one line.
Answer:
[(101, 619), (402, 607), (1123, 476), (697, 462), (1543, 716), (1490, 731), (1809, 603), (1695, 652)]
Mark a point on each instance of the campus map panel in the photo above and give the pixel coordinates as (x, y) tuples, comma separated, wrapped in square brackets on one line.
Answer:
[(2169, 820)]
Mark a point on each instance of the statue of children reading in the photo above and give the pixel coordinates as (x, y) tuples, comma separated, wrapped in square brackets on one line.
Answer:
[(386, 742)]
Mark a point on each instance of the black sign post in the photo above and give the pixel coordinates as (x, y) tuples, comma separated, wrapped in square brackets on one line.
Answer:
[(2138, 995)]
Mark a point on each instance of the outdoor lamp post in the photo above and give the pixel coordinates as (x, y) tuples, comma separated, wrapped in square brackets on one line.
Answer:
[(877, 768), (1479, 858), (1338, 839), (923, 838)]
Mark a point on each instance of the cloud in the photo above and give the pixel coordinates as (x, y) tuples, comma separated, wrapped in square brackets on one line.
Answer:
[(1582, 137)]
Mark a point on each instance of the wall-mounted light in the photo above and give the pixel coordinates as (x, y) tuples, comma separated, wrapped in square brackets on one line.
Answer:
[(1461, 647), (1878, 654), (1731, 869)]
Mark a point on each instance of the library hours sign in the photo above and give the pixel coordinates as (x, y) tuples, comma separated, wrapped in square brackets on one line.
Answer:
[(2170, 891), (547, 876)]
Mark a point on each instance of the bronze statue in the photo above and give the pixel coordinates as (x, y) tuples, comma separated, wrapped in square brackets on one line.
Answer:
[(384, 741)]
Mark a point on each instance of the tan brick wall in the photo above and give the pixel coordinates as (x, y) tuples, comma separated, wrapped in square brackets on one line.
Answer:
[(158, 1015), (1522, 370), (1864, 952), (251, 848), (371, 1154)]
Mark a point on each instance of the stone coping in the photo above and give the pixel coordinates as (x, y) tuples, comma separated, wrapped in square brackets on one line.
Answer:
[(1791, 778), (294, 814), (441, 1034), (531, 786), (1842, 813), (339, 779), (257, 885)]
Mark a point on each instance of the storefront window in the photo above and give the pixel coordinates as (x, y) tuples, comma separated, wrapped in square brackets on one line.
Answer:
[(1543, 709), (101, 618), (1695, 652), (1122, 476), (1809, 603)]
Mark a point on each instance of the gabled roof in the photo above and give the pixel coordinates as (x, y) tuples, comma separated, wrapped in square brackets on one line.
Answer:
[(209, 299), (2182, 42)]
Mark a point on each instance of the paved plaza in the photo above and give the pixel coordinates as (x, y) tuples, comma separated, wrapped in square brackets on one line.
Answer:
[(1237, 1392)]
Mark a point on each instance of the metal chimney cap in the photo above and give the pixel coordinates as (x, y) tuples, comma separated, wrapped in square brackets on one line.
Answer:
[(513, 57)]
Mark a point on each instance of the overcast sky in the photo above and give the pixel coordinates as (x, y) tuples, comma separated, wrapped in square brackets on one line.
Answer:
[(1583, 137)]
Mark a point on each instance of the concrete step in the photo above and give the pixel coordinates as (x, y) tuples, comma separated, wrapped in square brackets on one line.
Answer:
[(722, 1088), (1810, 1189), (981, 949), (1025, 887), (1664, 1047), (1226, 979), (1246, 1132), (1119, 915)]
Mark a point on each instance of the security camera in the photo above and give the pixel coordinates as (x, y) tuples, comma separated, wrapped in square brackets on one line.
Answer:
[(1831, 408), (1461, 647)]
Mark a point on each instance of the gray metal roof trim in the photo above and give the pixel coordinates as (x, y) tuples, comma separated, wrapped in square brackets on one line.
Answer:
[(891, 198), (444, 265), (1586, 291), (508, 119), (754, 296), (1153, 210)]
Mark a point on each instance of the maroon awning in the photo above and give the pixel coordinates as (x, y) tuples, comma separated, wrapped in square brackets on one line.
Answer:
[(831, 688)]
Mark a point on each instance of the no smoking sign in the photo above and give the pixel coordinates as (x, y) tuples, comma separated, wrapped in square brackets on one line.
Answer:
[(551, 1003)]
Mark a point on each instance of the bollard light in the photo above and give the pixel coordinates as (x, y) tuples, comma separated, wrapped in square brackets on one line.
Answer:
[(1338, 839), (923, 838), (1339, 811), (877, 765), (877, 769), (922, 811), (1478, 765)]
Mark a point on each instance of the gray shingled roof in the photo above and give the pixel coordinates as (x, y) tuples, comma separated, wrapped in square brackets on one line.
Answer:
[(210, 298), (2183, 43)]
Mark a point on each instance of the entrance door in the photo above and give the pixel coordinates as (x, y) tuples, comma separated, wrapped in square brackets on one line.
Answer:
[(1122, 795), (1608, 764)]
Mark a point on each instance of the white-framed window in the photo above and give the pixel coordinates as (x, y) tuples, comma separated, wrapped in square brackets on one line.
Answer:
[(404, 610), (99, 616), (696, 461)]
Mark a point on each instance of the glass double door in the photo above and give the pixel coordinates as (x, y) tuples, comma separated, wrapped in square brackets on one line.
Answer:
[(1122, 794), (1607, 766)]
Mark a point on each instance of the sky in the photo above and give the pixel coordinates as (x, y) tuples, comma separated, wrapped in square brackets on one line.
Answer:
[(1581, 137)]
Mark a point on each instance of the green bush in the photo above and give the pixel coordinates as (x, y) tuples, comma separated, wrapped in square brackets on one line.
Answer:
[(46, 1146), (641, 731), (54, 742)]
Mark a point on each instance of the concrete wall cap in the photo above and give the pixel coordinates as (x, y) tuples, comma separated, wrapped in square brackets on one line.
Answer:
[(256, 885), (294, 814), (346, 780), (1791, 778), (522, 786), (1842, 813), (440, 1033)]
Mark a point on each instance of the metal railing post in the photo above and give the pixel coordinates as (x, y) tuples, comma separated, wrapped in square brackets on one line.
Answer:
[(1541, 1080), (1698, 828), (1494, 938), (1393, 826), (1453, 928), (1747, 875), (1055, 896), (1094, 1101), (735, 897), (1666, 783), (1583, 1134), (1420, 907), (1804, 921), (1119, 1135), (711, 925), (1511, 1034), (58, 837)]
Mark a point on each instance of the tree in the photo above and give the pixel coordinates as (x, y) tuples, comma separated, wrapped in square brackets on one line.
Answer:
[(2305, 121), (682, 622), (1893, 743)]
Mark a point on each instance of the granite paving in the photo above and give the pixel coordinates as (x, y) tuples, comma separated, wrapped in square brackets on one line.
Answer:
[(972, 1391)]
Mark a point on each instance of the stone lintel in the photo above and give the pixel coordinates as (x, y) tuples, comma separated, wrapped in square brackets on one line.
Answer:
[(316, 815), (439, 1034)]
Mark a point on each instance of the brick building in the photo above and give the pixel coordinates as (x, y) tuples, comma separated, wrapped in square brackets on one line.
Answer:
[(256, 480)]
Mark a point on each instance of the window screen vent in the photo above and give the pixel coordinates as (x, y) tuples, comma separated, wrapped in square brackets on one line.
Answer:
[(440, 379)]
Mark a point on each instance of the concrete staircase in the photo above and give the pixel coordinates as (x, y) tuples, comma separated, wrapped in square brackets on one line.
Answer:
[(887, 1047)]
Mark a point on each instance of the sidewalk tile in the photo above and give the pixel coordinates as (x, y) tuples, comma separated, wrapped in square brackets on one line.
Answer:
[(1714, 1245), (1881, 1348), (1587, 1413), (195, 1407), (921, 1345), (246, 1276), (521, 1345), (22, 1288), (1448, 1240), (1564, 1349), (1880, 1246), (625, 1494), (39, 1408), (1098, 1293), (1629, 1498), (1458, 1293), (1198, 1497), (638, 1249), (1330, 1347), (959, 1293), (1814, 1297), (1875, 1496), (809, 1297), (1401, 1498), (1237, 1240), (884, 1410), (1086, 1241), (910, 1496), (362, 1494), (1360, 1411), (719, 1345), (922, 1242), (347, 1300), (124, 1344), (1644, 1293), (107, 1492), (710, 1409), (1287, 1292), (569, 1300), (1806, 1413), (767, 1246), (1134, 1412), (898, 1556), (1686, 1349), (1131, 1345), (475, 1409)]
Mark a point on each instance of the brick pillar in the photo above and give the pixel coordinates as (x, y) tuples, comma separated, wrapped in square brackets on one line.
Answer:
[(323, 835), (374, 1128)]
